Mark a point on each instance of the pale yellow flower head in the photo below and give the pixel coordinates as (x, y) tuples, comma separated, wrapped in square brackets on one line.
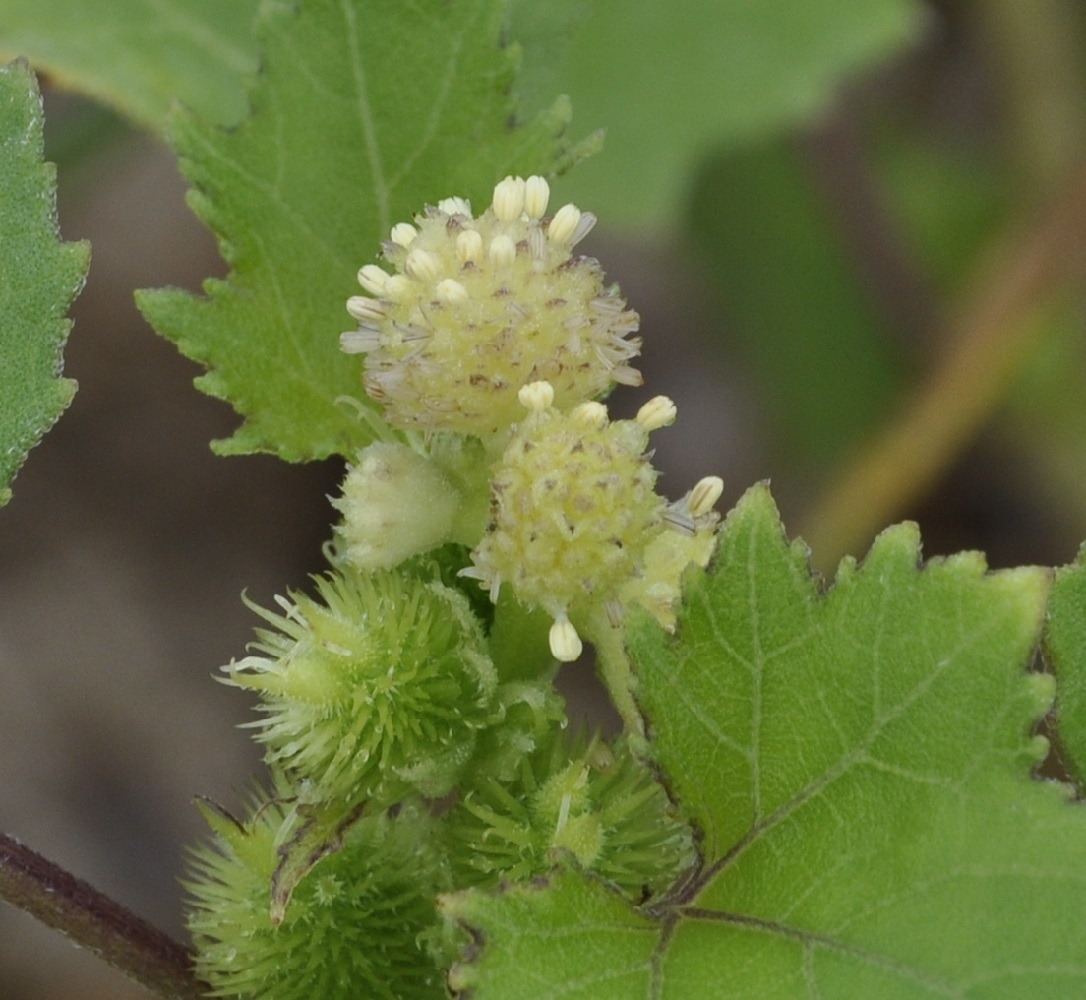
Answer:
[(576, 524), (478, 307)]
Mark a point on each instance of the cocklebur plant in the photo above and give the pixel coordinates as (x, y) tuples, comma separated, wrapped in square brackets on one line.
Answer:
[(380, 696), (819, 789)]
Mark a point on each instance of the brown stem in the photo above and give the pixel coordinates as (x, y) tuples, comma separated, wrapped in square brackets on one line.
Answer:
[(985, 347), (95, 922)]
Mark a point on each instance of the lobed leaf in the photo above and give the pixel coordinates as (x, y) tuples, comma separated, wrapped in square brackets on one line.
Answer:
[(857, 764), (39, 277), (140, 56), (544, 32), (364, 111)]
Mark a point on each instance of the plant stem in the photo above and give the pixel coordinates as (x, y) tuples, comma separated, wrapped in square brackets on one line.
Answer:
[(613, 666), (96, 922), (994, 334)]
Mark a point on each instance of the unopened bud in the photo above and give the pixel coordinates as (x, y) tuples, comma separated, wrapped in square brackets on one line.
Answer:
[(565, 643), (509, 198), (537, 193), (536, 396), (657, 412), (564, 224), (404, 233), (705, 494)]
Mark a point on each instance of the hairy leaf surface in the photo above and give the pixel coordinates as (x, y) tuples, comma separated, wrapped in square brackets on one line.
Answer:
[(1065, 643), (364, 112), (857, 764), (39, 277)]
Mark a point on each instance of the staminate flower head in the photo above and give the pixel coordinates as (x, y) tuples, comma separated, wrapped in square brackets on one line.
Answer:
[(478, 307), (378, 685), (658, 587), (575, 516), (358, 924), (593, 801)]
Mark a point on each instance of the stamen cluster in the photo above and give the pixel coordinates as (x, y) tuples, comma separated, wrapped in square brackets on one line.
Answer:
[(574, 507), (486, 317), (478, 307)]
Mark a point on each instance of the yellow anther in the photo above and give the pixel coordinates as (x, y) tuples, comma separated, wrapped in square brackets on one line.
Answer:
[(657, 412), (536, 396), (537, 193), (564, 224)]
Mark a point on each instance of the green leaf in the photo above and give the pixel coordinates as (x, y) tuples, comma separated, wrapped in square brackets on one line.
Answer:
[(139, 56), (364, 112), (1065, 645), (39, 277), (544, 32), (858, 766), (674, 79), (576, 938)]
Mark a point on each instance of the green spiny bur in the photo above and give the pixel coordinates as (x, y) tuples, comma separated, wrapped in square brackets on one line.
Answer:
[(362, 922), (376, 686), (571, 798)]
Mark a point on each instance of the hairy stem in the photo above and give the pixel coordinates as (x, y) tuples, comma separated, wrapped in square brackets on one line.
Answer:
[(613, 666), (985, 347), (95, 922)]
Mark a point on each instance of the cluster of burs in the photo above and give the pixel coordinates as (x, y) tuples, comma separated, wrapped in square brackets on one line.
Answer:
[(415, 741)]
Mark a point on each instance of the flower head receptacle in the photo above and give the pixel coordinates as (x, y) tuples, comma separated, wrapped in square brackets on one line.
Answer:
[(478, 307)]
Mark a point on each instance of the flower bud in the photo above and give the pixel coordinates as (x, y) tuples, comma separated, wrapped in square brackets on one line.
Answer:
[(396, 503)]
